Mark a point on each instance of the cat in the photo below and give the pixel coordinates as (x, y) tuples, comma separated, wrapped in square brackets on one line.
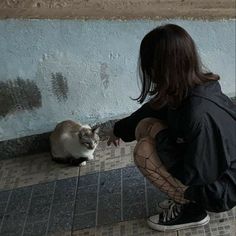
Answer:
[(73, 143)]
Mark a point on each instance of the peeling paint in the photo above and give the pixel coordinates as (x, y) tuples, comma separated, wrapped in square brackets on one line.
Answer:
[(18, 95), (59, 86), (104, 75)]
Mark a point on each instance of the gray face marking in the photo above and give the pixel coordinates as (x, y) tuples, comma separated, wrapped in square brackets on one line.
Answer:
[(59, 86), (88, 138), (19, 95)]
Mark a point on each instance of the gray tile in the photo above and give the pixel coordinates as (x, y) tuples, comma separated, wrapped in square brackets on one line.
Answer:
[(13, 224), (61, 217), (2, 209), (19, 200), (91, 179), (38, 213), (4, 196), (133, 191), (65, 190), (109, 209), (35, 229), (131, 172), (43, 189), (154, 196), (66, 184), (86, 220), (86, 199), (110, 182), (134, 195), (134, 211)]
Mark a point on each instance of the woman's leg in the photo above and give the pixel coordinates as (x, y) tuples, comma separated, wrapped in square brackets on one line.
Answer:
[(147, 160)]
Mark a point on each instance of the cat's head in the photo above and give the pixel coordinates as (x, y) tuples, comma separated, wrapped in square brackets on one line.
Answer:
[(89, 137)]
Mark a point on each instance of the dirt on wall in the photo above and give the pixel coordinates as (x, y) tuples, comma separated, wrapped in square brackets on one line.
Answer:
[(117, 9)]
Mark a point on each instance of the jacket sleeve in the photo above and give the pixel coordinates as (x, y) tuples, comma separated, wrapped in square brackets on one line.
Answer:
[(125, 128), (208, 171)]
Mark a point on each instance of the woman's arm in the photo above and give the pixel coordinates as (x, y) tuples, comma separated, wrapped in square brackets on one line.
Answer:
[(125, 128)]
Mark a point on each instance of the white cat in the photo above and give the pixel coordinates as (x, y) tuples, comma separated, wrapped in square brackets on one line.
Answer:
[(73, 143)]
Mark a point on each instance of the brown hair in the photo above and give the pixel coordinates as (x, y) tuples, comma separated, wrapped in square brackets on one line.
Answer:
[(169, 65)]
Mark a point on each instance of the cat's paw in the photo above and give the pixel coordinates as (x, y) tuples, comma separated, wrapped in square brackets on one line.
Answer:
[(91, 157), (83, 163)]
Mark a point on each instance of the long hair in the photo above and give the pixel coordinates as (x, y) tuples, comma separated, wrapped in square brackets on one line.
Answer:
[(169, 66)]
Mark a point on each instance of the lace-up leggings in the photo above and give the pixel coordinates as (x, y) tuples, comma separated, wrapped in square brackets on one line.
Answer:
[(149, 163)]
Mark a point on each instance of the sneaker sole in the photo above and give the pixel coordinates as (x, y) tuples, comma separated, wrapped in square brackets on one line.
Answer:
[(164, 228)]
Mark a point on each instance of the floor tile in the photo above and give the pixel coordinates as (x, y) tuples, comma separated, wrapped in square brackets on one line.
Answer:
[(39, 208), (110, 182), (110, 157), (31, 170), (134, 211), (35, 229), (13, 224), (4, 195), (86, 199), (126, 228), (65, 190), (89, 179), (61, 217), (86, 220), (43, 189), (19, 200), (154, 196), (109, 209), (131, 172)]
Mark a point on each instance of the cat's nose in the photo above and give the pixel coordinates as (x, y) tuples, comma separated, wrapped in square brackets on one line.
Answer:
[(91, 146)]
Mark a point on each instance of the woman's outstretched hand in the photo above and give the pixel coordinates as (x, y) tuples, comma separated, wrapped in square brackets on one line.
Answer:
[(113, 139)]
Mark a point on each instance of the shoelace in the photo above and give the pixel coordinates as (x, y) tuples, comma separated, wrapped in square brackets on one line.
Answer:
[(165, 204), (171, 213)]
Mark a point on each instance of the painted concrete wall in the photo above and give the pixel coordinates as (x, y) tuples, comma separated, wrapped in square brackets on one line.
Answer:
[(52, 70)]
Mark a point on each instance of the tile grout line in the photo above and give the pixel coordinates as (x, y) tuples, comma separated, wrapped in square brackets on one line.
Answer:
[(146, 197), (8, 200), (27, 211), (76, 191), (98, 190), (50, 211), (121, 195)]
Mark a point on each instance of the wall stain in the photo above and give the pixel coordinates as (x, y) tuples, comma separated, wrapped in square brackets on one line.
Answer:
[(104, 75), (18, 95), (59, 86)]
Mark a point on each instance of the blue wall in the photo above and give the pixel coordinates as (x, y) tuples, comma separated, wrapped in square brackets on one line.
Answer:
[(87, 70)]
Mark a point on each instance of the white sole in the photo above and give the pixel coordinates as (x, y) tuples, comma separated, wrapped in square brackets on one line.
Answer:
[(164, 228)]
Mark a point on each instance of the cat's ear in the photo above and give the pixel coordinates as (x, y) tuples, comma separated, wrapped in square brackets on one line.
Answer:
[(79, 134), (96, 130)]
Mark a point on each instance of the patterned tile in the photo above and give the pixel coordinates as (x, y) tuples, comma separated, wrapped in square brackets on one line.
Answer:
[(126, 228), (39, 168), (58, 201), (110, 157), (31, 170)]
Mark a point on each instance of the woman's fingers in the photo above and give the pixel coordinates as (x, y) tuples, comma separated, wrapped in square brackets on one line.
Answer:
[(116, 142)]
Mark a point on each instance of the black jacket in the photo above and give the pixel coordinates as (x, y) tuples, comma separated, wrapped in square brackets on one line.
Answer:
[(206, 121)]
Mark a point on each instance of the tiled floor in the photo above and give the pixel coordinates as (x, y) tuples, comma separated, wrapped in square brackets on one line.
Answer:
[(108, 196)]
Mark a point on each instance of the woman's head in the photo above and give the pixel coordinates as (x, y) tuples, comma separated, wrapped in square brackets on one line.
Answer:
[(169, 65)]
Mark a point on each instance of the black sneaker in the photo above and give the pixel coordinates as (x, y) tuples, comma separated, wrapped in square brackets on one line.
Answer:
[(178, 217)]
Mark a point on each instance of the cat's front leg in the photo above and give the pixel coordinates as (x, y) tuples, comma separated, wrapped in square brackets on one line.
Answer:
[(83, 163)]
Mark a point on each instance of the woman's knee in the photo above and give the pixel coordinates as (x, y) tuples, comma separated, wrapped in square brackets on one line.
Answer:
[(148, 127), (143, 149)]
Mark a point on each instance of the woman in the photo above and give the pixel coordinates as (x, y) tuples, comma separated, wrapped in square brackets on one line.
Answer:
[(185, 132)]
